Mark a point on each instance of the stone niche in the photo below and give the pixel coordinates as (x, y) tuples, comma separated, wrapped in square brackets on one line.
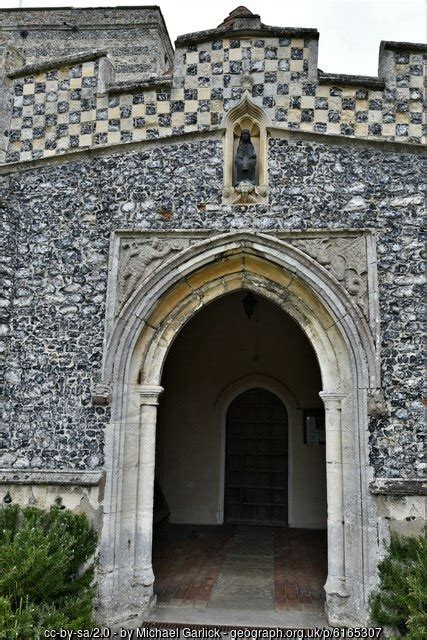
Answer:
[(246, 115)]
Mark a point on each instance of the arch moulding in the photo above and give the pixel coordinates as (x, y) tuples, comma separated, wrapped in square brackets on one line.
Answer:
[(135, 353)]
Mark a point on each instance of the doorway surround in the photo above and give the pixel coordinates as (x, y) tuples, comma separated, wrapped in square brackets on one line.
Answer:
[(135, 352)]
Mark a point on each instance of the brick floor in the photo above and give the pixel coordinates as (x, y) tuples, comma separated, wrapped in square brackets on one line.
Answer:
[(188, 560), (300, 567)]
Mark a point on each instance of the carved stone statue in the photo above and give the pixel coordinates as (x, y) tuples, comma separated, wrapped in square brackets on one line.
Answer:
[(245, 160)]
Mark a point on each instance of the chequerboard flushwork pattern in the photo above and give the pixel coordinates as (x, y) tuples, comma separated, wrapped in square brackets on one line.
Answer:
[(62, 109), (53, 111)]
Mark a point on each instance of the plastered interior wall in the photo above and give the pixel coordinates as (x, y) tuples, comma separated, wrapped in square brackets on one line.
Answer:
[(215, 349)]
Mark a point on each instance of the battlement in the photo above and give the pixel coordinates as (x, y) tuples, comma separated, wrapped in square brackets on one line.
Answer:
[(70, 85)]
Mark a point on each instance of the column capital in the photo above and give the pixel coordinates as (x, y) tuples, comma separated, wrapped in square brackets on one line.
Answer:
[(148, 393), (332, 397)]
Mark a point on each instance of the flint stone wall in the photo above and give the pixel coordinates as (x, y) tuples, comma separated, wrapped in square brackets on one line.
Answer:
[(60, 220)]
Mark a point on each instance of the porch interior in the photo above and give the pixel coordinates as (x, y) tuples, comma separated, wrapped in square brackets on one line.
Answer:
[(240, 491)]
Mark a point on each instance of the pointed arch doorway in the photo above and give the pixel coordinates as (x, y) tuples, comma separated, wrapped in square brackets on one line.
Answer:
[(256, 460), (135, 352)]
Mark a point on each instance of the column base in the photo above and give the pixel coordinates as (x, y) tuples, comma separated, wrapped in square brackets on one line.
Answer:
[(123, 601), (344, 606)]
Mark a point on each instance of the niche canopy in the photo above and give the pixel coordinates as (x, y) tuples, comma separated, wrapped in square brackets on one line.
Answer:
[(245, 117)]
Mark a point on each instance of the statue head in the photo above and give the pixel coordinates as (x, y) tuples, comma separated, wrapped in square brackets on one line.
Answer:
[(245, 136)]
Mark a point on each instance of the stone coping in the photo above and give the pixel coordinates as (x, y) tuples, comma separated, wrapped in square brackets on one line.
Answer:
[(403, 46), (399, 486), (38, 67), (264, 31), (351, 80), (130, 87), (50, 476)]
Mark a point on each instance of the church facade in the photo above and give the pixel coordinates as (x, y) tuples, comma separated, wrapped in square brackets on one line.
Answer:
[(183, 227)]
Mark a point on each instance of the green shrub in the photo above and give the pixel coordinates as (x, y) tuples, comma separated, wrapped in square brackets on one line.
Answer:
[(400, 602), (46, 571)]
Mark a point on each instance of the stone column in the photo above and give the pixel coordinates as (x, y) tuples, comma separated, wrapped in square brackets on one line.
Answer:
[(336, 581), (143, 572)]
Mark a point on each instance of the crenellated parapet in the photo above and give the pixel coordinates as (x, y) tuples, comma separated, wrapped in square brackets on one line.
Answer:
[(86, 100)]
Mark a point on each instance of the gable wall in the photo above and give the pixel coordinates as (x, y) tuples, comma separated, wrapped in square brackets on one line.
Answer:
[(53, 112)]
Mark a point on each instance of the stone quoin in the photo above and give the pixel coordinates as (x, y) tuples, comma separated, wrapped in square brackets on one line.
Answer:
[(126, 221)]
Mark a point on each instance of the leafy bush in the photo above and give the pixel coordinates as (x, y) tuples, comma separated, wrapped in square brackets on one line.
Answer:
[(46, 571), (401, 599)]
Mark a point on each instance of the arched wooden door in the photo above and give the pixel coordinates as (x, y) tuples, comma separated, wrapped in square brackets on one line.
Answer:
[(256, 460)]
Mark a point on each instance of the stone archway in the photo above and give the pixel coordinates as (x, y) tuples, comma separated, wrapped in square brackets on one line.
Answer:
[(135, 354)]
